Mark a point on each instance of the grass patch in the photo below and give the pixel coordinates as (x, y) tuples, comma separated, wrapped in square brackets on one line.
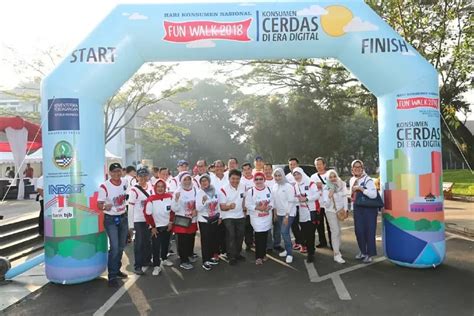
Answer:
[(463, 181)]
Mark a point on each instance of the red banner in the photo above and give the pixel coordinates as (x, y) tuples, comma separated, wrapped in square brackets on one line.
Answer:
[(411, 103), (184, 32)]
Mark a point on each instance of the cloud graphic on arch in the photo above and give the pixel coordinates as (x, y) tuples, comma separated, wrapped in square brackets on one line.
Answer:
[(409, 53), (312, 10), (137, 16), (201, 44), (357, 25)]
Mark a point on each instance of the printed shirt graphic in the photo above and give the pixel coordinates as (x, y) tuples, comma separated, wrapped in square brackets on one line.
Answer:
[(115, 195), (207, 209), (186, 203), (261, 221), (136, 201)]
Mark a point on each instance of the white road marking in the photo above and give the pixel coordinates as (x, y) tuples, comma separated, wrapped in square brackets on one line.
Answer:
[(178, 273), (341, 288), (312, 273), (118, 294), (172, 286), (281, 262), (453, 235)]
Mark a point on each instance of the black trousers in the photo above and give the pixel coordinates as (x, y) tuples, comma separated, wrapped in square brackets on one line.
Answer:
[(234, 229), (261, 244), (160, 245), (208, 240), (309, 229), (249, 238), (41, 219), (185, 246), (142, 244), (296, 229), (321, 229), (221, 242)]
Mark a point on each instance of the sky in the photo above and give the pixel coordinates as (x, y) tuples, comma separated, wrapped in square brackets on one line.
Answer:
[(29, 26)]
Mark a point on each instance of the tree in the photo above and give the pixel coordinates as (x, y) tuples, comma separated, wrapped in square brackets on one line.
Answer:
[(136, 95), (197, 124)]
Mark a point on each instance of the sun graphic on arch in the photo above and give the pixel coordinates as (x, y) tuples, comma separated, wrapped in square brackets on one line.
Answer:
[(336, 18)]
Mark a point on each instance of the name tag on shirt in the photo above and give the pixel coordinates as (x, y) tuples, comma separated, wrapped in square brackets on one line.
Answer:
[(306, 188), (241, 195), (168, 207), (268, 195)]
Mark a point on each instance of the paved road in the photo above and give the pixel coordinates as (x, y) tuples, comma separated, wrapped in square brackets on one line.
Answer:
[(324, 288)]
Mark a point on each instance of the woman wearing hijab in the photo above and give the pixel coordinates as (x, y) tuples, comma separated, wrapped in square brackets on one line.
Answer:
[(365, 218), (259, 203), (307, 194), (184, 204), (334, 200), (284, 197), (208, 217), (157, 215)]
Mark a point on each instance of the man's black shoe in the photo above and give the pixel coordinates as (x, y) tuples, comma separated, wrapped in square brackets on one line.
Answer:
[(122, 275), (322, 246), (114, 282)]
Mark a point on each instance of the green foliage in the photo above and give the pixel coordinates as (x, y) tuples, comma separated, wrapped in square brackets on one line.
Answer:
[(463, 181), (419, 225)]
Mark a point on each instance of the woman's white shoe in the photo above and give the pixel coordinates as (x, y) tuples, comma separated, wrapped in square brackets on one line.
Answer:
[(338, 259), (156, 271), (282, 254), (289, 259)]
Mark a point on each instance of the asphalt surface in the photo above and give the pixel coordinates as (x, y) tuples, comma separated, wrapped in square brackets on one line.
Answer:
[(381, 288)]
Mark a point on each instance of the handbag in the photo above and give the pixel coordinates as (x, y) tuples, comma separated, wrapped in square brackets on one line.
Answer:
[(342, 214), (364, 201), (182, 221)]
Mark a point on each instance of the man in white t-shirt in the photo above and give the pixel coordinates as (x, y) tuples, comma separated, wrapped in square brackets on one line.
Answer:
[(292, 164), (201, 166), (40, 190), (231, 202), (137, 197), (112, 200), (232, 163), (320, 178)]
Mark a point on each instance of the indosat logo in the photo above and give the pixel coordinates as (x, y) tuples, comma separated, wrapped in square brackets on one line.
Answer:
[(63, 155), (66, 188)]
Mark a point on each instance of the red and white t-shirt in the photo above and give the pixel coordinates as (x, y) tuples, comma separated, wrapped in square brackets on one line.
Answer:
[(136, 202), (247, 182), (209, 208), (261, 221), (158, 209), (270, 182), (227, 195), (116, 195), (310, 191)]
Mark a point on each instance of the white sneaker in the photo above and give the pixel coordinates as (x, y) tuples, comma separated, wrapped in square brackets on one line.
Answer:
[(167, 263), (282, 254), (156, 271), (360, 256), (289, 259), (338, 259)]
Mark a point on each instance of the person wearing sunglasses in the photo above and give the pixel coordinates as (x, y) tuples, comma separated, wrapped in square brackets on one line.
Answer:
[(259, 203), (365, 218), (307, 194)]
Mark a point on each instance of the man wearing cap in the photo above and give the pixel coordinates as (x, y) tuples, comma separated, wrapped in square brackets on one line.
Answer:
[(173, 185), (137, 197), (112, 200)]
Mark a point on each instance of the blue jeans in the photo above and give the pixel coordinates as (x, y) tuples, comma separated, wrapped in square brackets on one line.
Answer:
[(142, 245), (117, 233), (285, 233), (274, 236)]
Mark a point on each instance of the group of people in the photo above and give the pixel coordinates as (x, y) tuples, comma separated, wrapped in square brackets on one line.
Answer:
[(231, 205)]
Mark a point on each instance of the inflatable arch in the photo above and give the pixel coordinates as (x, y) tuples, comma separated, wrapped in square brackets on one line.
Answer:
[(405, 84)]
